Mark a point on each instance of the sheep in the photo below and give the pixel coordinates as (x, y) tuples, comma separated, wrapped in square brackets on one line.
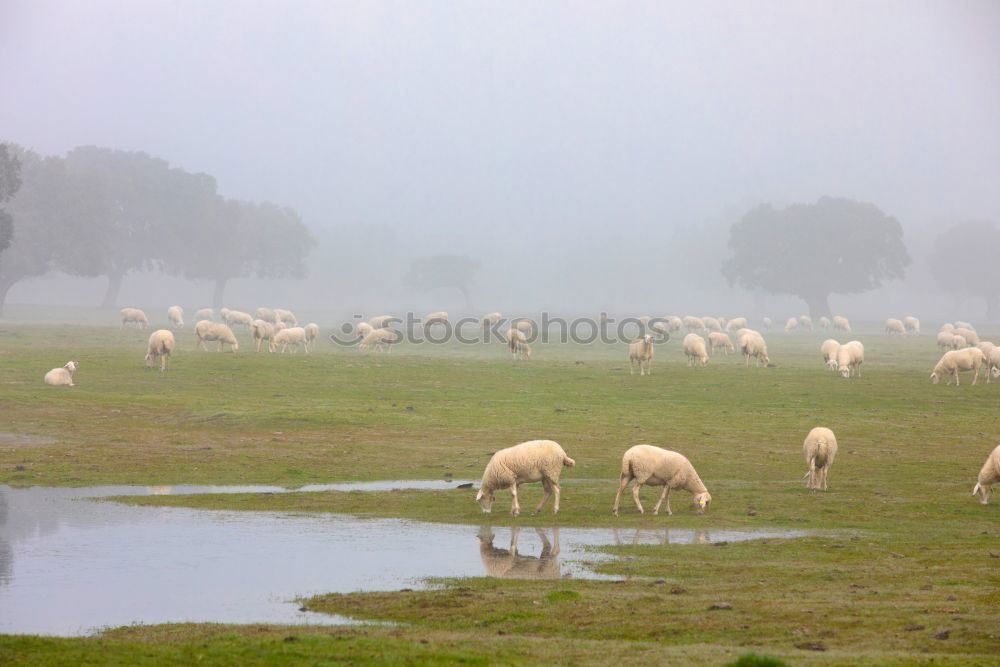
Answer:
[(490, 319), (379, 339), (805, 322), (285, 316), (515, 340), (641, 351), (752, 344), (644, 320), (841, 323), (829, 351), (661, 326), (656, 466), (993, 368), (312, 332), (204, 314), (674, 323), (692, 323), (161, 345), (791, 325), (987, 347), (720, 341), (894, 327), (959, 342), (439, 317), (970, 335), (959, 324), (824, 322), (711, 324), (988, 476), (766, 324), (363, 329), (946, 340), (523, 325), (207, 330), (820, 448), (381, 321), (912, 325), (266, 314), (532, 461), (279, 325), (736, 324), (968, 359), (694, 348), (234, 317), (291, 336), (850, 356), (175, 315), (947, 326), (263, 331), (62, 377), (135, 317), (522, 351)]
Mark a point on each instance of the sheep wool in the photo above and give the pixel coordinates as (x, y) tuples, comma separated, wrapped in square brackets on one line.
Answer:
[(161, 346), (532, 461), (641, 352), (207, 330), (988, 476), (966, 359), (61, 377), (647, 464), (820, 448)]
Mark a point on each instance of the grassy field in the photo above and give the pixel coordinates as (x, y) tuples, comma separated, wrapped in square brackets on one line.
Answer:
[(904, 565)]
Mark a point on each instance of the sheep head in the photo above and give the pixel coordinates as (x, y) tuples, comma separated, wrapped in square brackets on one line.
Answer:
[(71, 366), (983, 492), (702, 500), (831, 364), (845, 371), (485, 500), (935, 377)]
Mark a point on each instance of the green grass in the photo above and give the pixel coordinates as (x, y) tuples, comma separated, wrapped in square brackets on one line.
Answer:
[(900, 551)]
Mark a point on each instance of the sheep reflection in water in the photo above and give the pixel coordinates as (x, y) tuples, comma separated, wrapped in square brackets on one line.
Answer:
[(511, 564), (663, 537)]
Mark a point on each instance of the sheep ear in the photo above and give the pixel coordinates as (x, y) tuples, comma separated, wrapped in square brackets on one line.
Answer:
[(976, 489)]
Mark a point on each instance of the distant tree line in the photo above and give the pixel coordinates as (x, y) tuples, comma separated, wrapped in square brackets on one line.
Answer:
[(104, 212)]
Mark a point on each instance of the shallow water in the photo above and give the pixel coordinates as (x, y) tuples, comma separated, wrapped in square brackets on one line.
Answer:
[(69, 566)]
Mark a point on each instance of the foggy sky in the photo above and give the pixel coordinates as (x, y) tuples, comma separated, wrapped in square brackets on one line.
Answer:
[(527, 134)]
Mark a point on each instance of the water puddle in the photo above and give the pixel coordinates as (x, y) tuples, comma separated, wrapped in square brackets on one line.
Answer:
[(69, 566)]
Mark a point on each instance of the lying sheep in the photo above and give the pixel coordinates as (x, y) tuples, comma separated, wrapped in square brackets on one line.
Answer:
[(968, 359), (993, 365), (720, 341), (175, 315), (824, 322), (266, 314), (135, 317), (286, 316), (850, 356), (752, 345), (204, 314), (820, 448), (646, 464), (894, 327), (970, 336), (62, 377), (207, 330), (234, 317), (829, 351), (312, 332), (692, 323), (694, 348), (641, 351), (532, 461), (766, 324), (378, 340), (841, 323), (294, 336), (806, 322), (988, 476), (161, 345), (263, 331), (736, 324), (912, 325), (711, 324), (791, 325)]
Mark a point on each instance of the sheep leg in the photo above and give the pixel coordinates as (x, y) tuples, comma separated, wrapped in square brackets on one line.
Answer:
[(555, 490), (958, 380), (305, 346), (975, 378), (545, 496), (664, 495), (635, 496), (515, 507), (618, 496), (631, 366)]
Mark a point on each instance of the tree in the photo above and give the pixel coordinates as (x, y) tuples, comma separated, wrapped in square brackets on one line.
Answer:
[(10, 181), (444, 271), (835, 246), (964, 262)]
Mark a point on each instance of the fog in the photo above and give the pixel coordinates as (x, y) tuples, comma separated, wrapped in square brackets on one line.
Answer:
[(590, 155)]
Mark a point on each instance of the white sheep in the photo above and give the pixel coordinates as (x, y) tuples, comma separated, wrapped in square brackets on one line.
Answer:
[(970, 335), (490, 319), (438, 317), (532, 461), (912, 325), (641, 351), (791, 325), (135, 317), (968, 359), (820, 448), (294, 336), (692, 323), (263, 331), (207, 330), (62, 377), (987, 347), (363, 329), (959, 324), (824, 322), (718, 340), (694, 348), (378, 340), (993, 369), (646, 464), (522, 351), (381, 321), (523, 325), (806, 322), (946, 340), (517, 343), (312, 332), (234, 317), (947, 326), (958, 342), (766, 324), (266, 314), (175, 315), (674, 323), (894, 327), (841, 323), (279, 325), (161, 346), (988, 476), (850, 356), (736, 324), (752, 345), (644, 320), (829, 351), (711, 324), (286, 316), (204, 314)]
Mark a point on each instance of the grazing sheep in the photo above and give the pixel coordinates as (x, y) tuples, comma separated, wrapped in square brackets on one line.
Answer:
[(523, 325), (824, 322), (175, 315), (279, 325), (736, 324), (987, 347), (363, 329), (993, 369), (968, 359), (766, 324), (692, 323), (641, 351), (204, 314), (656, 466), (912, 325), (850, 356), (694, 348), (522, 351), (946, 340), (674, 323), (517, 343), (234, 317), (312, 332), (285, 316), (894, 327), (161, 345), (720, 341), (266, 314), (970, 336), (959, 324), (380, 340), (841, 323), (207, 330), (829, 351), (294, 336), (791, 325), (62, 377), (820, 448), (988, 476), (752, 345), (958, 342), (381, 321), (711, 324), (532, 461), (490, 319), (805, 322), (135, 317), (263, 331)]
